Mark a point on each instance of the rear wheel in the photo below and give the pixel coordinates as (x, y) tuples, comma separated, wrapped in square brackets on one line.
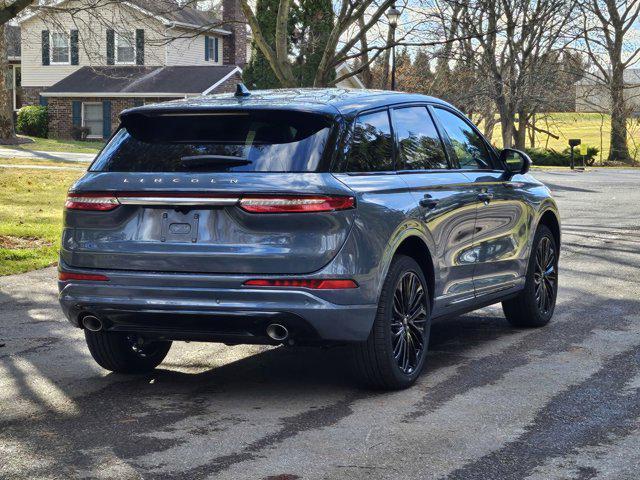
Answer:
[(125, 353), (534, 306), (394, 354)]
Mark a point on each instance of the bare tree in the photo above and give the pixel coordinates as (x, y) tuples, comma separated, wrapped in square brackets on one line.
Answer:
[(513, 41), (607, 24), (338, 49)]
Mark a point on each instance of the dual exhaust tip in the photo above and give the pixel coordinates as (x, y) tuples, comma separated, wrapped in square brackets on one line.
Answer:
[(275, 331)]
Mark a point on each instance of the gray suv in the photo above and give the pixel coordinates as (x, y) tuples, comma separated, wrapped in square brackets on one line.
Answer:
[(297, 217)]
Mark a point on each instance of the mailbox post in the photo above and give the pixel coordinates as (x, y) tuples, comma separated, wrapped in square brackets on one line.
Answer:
[(573, 142)]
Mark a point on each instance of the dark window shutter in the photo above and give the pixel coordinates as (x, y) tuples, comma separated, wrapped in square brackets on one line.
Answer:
[(111, 46), (106, 119), (216, 41), (139, 47), (74, 48), (43, 101), (76, 113), (206, 48), (45, 47)]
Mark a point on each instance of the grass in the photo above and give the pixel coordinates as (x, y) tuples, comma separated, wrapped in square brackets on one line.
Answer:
[(592, 128), (31, 205), (54, 145)]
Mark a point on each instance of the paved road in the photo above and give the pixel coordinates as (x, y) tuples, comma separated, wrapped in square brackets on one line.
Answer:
[(56, 156), (494, 403)]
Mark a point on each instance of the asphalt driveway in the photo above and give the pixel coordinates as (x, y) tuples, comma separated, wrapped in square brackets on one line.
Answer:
[(494, 402)]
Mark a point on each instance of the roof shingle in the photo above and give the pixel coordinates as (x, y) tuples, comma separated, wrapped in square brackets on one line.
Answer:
[(142, 79)]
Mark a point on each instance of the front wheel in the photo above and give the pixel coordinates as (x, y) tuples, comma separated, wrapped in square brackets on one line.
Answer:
[(124, 352), (394, 354), (534, 306)]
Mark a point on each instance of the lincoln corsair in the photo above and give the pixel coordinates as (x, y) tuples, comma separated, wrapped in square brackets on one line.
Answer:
[(302, 217)]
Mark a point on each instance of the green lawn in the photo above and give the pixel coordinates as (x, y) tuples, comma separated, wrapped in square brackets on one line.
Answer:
[(592, 128), (53, 145), (31, 205)]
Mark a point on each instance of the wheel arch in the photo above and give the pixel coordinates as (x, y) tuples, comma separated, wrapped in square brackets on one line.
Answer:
[(549, 218), (415, 247)]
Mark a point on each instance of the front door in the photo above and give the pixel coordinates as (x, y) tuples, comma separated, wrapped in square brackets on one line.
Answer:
[(502, 218), (445, 204)]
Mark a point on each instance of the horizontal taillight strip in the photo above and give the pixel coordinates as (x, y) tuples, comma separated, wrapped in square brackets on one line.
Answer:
[(295, 204), (91, 201), (249, 203), (66, 276), (315, 284), (186, 200)]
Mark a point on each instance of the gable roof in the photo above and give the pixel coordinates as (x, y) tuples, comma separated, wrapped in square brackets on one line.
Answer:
[(168, 12), (172, 11), (132, 81)]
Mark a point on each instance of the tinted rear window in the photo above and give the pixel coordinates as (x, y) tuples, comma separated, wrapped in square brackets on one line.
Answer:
[(258, 141), (371, 146)]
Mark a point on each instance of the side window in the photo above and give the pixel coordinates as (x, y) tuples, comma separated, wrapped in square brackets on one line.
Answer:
[(420, 145), (371, 144), (468, 146)]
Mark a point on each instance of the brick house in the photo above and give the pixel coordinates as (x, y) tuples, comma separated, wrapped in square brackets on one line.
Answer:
[(88, 69)]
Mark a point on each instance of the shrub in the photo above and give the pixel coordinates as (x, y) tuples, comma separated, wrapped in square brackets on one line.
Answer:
[(554, 158), (80, 133), (33, 120)]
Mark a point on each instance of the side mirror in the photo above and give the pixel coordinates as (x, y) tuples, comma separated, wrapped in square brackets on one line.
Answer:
[(516, 162)]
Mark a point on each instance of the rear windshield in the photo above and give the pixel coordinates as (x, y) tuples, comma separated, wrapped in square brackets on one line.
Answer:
[(257, 141)]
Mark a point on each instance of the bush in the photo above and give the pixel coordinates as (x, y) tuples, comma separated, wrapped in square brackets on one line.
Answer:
[(554, 158), (33, 120), (80, 133)]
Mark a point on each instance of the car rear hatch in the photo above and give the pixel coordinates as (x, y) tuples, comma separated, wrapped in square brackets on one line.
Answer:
[(213, 192)]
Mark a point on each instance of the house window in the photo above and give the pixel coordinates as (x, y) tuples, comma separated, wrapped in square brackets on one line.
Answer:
[(214, 49), (125, 48), (60, 48), (92, 119)]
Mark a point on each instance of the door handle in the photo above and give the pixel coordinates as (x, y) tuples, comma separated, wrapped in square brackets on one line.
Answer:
[(428, 202), (485, 197)]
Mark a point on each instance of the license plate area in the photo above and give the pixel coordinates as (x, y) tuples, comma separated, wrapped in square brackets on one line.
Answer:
[(179, 227)]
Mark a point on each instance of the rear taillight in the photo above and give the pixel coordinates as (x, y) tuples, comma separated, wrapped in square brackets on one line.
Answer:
[(66, 276), (295, 204), (312, 284), (91, 201)]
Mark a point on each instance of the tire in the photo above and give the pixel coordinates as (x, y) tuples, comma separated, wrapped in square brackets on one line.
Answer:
[(375, 360), (119, 352), (534, 305)]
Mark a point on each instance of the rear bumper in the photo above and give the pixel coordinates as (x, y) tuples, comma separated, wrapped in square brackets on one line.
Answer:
[(215, 308)]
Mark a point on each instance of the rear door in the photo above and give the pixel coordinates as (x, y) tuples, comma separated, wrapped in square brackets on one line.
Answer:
[(217, 192), (444, 202), (502, 219)]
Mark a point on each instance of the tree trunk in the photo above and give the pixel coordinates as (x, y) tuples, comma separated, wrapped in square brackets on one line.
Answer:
[(507, 123), (520, 134), (7, 132), (619, 151), (366, 75)]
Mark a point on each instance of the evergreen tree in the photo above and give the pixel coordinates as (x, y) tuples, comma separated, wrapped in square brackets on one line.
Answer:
[(258, 73), (313, 24)]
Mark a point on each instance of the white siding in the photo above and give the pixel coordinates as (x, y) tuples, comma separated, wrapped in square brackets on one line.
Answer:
[(186, 49), (596, 98), (92, 44)]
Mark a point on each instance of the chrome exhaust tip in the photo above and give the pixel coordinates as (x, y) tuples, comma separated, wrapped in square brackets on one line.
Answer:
[(277, 332), (92, 323)]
